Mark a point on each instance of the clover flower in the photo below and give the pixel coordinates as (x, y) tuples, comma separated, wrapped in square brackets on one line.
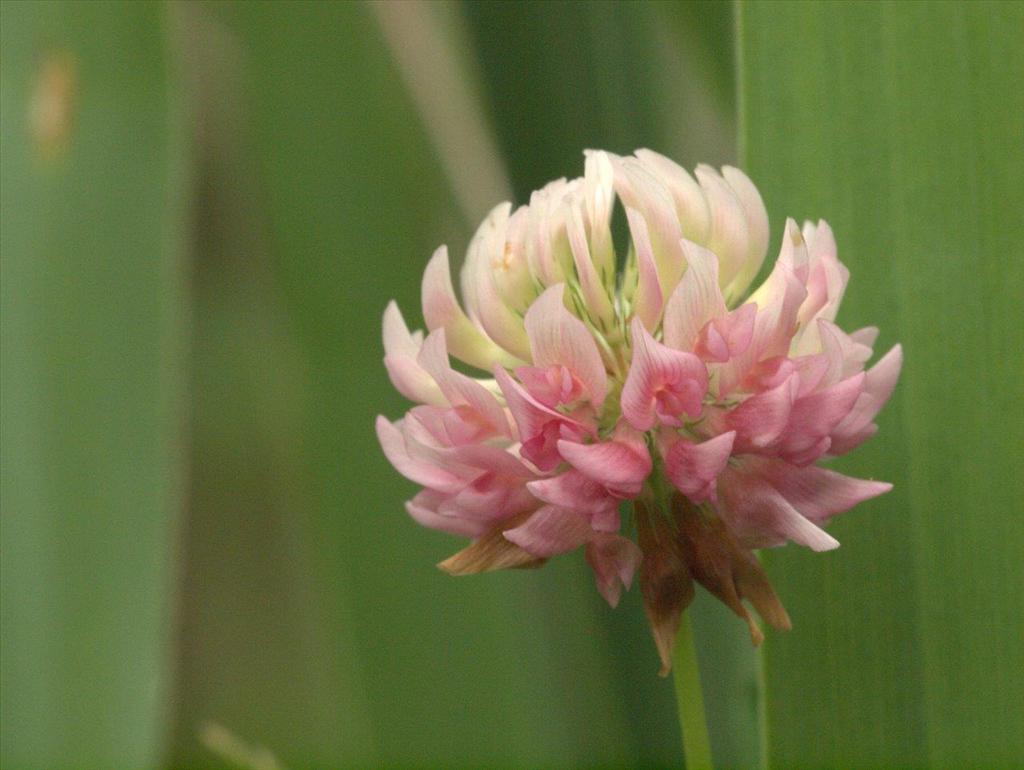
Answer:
[(662, 382)]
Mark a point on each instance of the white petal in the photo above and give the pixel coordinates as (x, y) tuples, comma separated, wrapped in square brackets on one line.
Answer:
[(757, 228), (696, 300), (441, 310), (691, 204), (729, 237)]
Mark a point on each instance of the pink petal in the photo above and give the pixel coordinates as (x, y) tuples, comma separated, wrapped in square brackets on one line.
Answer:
[(661, 381), (769, 374), (845, 356), (412, 382), (424, 473), (614, 560), (818, 493), (557, 337), (696, 300), (648, 300), (807, 452), (794, 253), (550, 531), (739, 328), (821, 247), (607, 519), (822, 271), (762, 418), (400, 351), (812, 371), (693, 468), (490, 497), (552, 386), (712, 344), (761, 517), (438, 437), (785, 294), (777, 300), (397, 339), (422, 509), (444, 427), (881, 378), (814, 417), (441, 310), (879, 383), (488, 457), (619, 466), (540, 427), (727, 336), (458, 388), (866, 336), (529, 414), (575, 491)]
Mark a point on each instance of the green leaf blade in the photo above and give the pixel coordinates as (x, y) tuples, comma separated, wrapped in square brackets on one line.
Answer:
[(900, 123), (94, 165)]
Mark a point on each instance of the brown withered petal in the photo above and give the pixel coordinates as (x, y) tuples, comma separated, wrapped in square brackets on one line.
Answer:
[(491, 552), (728, 570), (665, 582)]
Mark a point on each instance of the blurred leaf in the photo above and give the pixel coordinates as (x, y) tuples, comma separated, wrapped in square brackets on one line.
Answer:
[(704, 34), (428, 43), (455, 672), (254, 660), (565, 76), (93, 171), (902, 123)]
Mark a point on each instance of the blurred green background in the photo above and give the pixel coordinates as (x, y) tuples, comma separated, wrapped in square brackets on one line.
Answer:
[(205, 209)]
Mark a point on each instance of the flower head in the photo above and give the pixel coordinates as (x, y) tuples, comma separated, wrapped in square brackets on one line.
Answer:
[(664, 382)]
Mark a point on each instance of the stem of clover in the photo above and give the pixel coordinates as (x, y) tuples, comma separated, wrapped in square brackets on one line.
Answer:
[(685, 668), (690, 699)]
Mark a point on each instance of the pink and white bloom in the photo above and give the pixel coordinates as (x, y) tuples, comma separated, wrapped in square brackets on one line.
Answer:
[(670, 386)]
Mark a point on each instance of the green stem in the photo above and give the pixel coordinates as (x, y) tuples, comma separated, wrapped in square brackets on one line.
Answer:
[(690, 699)]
